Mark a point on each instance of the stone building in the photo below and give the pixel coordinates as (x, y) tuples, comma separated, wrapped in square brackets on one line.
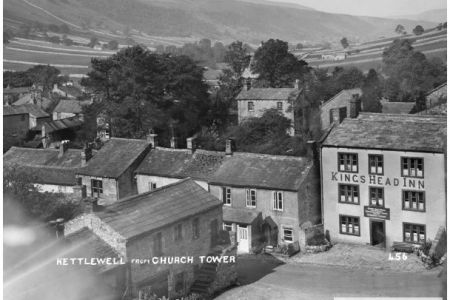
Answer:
[(179, 220), (266, 197), (383, 179), (109, 176), (437, 96), (69, 108), (51, 170), (340, 106), (253, 102)]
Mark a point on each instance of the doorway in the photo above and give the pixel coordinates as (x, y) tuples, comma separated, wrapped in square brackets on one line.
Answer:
[(377, 233)]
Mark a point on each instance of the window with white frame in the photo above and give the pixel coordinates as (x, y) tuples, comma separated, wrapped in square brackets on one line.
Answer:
[(412, 167), (288, 234), (348, 162), (250, 198), (278, 200), (96, 187), (226, 195)]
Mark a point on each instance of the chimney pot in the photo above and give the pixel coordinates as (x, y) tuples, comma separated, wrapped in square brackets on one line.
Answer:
[(229, 147), (248, 84), (173, 142), (86, 154), (355, 106), (190, 142), (152, 138), (63, 146)]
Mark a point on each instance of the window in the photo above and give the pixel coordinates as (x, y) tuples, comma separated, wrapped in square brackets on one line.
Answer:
[(278, 201), (151, 186), (251, 198), (179, 282), (376, 196), (226, 195), (96, 187), (251, 106), (178, 232), (349, 225), (157, 244), (413, 233), (349, 193), (227, 227), (280, 106), (288, 234), (414, 200), (22, 117), (412, 167), (376, 164), (348, 162), (195, 228)]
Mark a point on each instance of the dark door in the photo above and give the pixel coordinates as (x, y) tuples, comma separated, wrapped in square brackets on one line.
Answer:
[(377, 233)]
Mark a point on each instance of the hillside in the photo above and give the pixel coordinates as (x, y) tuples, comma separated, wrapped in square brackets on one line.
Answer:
[(433, 15), (224, 20)]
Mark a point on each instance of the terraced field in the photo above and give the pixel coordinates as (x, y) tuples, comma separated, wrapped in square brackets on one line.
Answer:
[(21, 54)]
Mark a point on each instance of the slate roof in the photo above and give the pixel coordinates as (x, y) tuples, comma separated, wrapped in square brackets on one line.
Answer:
[(71, 90), (31, 109), (86, 244), (442, 86), (268, 94), (390, 132), (262, 171), (44, 164), (70, 106), (28, 99), (42, 157), (61, 124), (150, 211), (181, 163), (239, 215), (115, 157), (397, 107), (343, 94)]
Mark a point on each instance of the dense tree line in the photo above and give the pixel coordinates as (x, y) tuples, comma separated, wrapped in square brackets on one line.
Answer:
[(141, 90)]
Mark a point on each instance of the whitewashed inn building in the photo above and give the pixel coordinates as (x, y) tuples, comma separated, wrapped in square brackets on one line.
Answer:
[(383, 179)]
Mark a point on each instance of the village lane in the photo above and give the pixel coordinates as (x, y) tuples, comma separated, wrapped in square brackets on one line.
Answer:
[(308, 281)]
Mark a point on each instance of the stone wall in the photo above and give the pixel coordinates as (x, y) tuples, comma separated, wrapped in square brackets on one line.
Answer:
[(439, 244), (226, 274)]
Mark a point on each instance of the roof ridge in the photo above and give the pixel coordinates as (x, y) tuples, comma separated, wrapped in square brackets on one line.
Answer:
[(128, 139), (272, 156), (172, 149)]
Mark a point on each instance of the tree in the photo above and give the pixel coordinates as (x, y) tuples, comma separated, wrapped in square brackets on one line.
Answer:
[(400, 29), (93, 42), (113, 45), (67, 42), (6, 37), (371, 92), (141, 90), (276, 65), (54, 39), (348, 78), (299, 46), (418, 30), (344, 43), (44, 75), (237, 57)]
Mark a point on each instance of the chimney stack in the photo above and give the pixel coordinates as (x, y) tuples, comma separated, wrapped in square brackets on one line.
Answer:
[(229, 147), (355, 106), (63, 146), (173, 142), (297, 84), (312, 149), (86, 154), (152, 138), (190, 142), (248, 84)]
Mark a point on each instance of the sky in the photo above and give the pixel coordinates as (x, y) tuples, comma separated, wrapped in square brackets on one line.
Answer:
[(377, 8)]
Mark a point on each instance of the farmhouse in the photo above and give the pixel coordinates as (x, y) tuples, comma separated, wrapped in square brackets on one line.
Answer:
[(179, 220), (383, 179), (345, 104), (253, 102), (109, 176)]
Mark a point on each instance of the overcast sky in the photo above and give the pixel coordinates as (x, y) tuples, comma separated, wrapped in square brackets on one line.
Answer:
[(378, 8)]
